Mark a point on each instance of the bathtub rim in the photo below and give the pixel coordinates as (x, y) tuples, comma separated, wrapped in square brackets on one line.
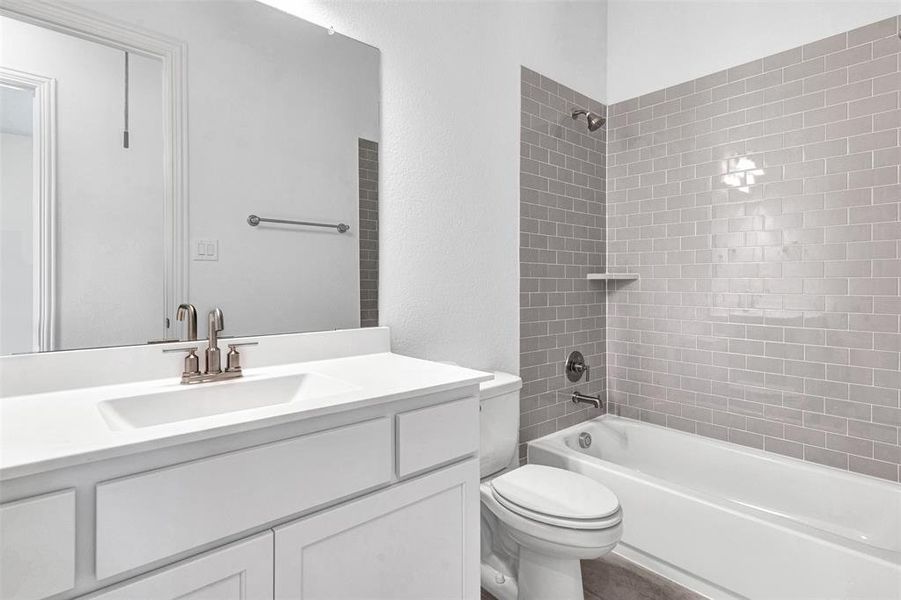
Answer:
[(555, 443)]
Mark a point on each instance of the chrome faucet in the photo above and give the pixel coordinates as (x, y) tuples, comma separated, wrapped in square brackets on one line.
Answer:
[(213, 370), (595, 401), (213, 356), (187, 311)]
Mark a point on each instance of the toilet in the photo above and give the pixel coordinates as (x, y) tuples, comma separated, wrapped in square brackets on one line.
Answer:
[(537, 522)]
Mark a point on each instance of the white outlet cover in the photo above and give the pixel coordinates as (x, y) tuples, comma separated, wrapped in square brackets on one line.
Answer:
[(205, 249)]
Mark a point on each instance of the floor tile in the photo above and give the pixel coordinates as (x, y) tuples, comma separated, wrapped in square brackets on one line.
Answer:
[(615, 578)]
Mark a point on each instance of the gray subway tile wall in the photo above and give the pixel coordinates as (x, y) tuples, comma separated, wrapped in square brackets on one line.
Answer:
[(562, 188), (369, 232), (760, 207)]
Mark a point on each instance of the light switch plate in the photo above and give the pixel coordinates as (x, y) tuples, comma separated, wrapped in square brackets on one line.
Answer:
[(205, 249)]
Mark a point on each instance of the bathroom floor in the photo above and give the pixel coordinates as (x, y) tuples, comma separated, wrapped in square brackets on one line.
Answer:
[(615, 578)]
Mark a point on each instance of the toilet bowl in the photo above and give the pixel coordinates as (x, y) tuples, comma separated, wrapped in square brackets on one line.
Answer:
[(538, 522), (555, 518)]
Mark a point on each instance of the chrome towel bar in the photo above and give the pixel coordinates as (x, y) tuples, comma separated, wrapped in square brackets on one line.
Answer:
[(254, 220)]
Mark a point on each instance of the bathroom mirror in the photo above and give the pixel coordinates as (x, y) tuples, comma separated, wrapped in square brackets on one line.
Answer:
[(151, 151)]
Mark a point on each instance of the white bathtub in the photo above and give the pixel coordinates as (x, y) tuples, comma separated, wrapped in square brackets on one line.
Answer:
[(729, 521)]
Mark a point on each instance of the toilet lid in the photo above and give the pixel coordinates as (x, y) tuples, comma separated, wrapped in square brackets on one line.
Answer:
[(556, 492)]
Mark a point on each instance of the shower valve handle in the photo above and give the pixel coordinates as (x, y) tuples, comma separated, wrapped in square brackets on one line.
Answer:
[(585, 369), (575, 367)]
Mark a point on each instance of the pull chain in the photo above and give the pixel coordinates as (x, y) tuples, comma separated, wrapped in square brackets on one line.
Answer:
[(125, 131)]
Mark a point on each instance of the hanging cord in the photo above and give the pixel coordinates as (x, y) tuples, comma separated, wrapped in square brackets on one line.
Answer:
[(125, 131)]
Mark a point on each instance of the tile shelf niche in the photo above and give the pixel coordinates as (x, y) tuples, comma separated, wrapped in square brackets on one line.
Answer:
[(612, 276)]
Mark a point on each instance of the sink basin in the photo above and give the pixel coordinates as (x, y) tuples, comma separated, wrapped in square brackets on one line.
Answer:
[(208, 399)]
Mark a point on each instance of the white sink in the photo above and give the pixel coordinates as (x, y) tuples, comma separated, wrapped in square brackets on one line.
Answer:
[(208, 399)]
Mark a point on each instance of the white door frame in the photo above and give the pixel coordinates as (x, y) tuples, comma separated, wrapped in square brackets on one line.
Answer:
[(172, 54), (43, 190)]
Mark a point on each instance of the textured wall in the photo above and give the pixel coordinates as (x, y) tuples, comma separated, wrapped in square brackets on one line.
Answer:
[(760, 205), (369, 233), (561, 241)]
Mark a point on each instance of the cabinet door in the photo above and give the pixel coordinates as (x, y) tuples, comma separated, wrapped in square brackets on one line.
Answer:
[(239, 571), (37, 546), (418, 540)]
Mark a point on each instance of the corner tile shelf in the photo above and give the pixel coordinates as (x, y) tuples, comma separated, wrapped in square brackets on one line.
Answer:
[(612, 276)]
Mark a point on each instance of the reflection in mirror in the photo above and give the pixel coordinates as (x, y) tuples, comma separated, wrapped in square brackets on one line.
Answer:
[(27, 211), (139, 136), (16, 143)]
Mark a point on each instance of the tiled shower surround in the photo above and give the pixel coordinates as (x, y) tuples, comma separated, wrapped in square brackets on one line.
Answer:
[(760, 207), (561, 241)]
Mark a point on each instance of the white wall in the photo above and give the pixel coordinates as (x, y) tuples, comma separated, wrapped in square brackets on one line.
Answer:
[(654, 44), (449, 203)]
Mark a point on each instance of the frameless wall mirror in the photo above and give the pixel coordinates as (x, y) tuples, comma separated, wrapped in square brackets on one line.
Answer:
[(156, 152)]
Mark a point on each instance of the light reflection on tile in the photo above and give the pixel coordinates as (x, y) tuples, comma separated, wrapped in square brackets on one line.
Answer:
[(762, 215)]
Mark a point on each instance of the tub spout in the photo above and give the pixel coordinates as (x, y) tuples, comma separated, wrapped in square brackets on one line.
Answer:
[(580, 398)]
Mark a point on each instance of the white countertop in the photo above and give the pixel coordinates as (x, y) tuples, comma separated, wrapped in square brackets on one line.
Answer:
[(40, 432)]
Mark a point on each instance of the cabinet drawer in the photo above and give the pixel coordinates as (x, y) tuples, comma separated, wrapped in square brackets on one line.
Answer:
[(153, 515), (37, 546), (430, 436)]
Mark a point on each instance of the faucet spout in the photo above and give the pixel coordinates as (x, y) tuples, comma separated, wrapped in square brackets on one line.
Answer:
[(580, 398), (187, 311), (216, 323)]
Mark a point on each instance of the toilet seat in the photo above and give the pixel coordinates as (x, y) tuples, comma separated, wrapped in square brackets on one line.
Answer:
[(557, 497), (548, 539), (592, 524)]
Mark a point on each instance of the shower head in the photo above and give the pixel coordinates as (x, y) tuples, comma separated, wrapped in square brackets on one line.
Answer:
[(595, 122)]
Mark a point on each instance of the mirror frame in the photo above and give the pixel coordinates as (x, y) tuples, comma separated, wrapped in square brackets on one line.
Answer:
[(173, 55)]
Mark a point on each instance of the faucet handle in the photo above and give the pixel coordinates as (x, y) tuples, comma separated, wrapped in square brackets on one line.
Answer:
[(192, 363), (233, 358), (575, 367), (187, 349)]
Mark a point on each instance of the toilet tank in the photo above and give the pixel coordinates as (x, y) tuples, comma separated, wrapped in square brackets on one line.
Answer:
[(498, 422)]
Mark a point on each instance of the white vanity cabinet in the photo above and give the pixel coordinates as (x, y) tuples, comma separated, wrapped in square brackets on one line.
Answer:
[(412, 541), (378, 502)]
